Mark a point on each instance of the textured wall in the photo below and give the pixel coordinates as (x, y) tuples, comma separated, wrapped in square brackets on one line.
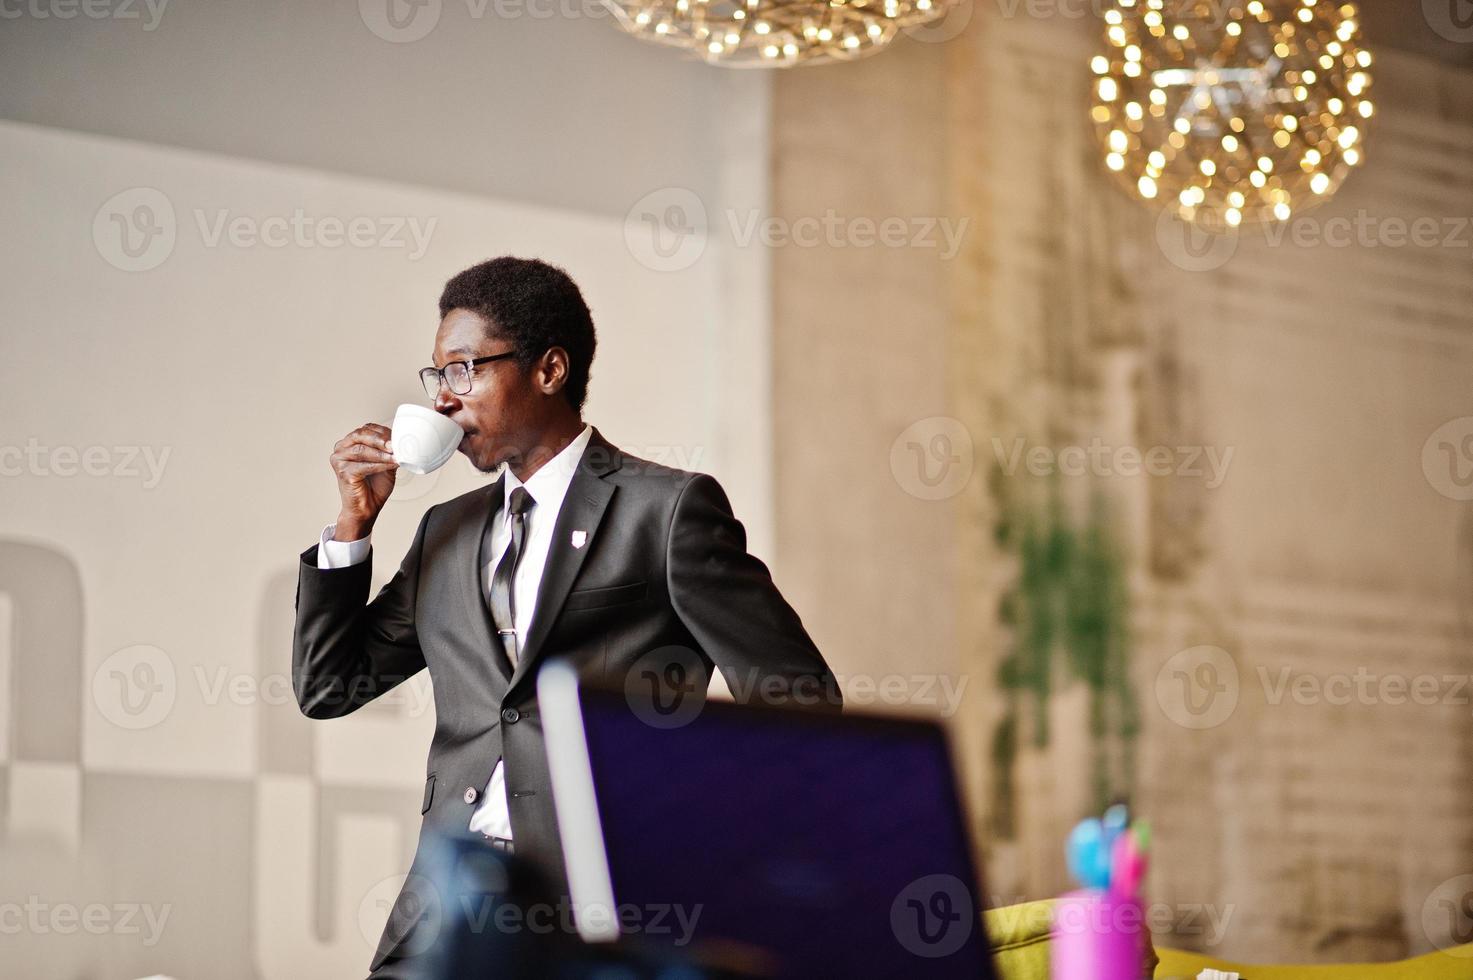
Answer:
[(859, 352), (1298, 537)]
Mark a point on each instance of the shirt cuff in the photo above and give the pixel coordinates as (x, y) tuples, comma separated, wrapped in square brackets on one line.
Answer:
[(340, 554)]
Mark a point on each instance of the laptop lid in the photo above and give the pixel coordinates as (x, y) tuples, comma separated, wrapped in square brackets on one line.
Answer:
[(827, 845)]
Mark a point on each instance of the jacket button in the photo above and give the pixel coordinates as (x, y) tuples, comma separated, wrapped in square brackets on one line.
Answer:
[(511, 716), (470, 794)]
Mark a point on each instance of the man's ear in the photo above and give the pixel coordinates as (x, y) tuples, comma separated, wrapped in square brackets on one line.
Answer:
[(552, 371)]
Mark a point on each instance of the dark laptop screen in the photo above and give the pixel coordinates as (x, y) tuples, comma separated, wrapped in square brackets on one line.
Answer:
[(833, 843)]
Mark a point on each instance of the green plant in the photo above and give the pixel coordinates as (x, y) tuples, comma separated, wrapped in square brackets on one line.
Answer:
[(1068, 613)]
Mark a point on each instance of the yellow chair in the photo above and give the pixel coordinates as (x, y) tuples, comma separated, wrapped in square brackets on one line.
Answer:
[(1453, 964), (1020, 945)]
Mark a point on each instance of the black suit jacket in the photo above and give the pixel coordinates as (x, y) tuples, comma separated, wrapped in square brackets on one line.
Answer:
[(664, 565)]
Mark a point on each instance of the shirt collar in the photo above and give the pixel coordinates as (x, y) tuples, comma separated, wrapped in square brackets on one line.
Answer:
[(549, 485)]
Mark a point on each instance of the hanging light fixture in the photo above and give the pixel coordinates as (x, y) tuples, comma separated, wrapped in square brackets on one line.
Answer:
[(1246, 110), (774, 33)]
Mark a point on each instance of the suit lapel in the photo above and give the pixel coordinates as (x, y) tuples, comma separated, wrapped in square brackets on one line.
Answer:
[(468, 562), (583, 510)]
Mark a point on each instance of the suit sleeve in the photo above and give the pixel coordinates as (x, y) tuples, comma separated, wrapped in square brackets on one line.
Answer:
[(727, 600), (346, 653)]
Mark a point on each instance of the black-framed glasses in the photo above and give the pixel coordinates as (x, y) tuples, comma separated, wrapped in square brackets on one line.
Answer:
[(456, 375)]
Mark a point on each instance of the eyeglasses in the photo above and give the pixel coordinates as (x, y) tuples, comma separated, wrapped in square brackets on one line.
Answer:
[(456, 375)]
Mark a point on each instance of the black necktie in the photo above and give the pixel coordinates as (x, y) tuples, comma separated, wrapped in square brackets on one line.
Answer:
[(503, 602)]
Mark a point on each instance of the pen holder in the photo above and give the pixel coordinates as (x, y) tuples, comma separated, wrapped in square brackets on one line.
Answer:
[(1097, 935)]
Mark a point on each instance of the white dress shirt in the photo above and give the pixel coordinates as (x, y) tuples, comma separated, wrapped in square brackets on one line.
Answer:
[(548, 486)]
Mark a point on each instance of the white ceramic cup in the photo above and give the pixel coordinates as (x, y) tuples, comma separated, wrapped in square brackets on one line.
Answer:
[(423, 439)]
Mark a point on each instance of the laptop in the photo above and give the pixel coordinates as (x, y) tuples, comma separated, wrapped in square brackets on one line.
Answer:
[(792, 843)]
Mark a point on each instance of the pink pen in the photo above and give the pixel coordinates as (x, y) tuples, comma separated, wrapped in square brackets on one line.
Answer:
[(1127, 865)]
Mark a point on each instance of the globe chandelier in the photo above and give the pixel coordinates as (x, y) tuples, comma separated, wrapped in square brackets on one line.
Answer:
[(774, 33), (1242, 110)]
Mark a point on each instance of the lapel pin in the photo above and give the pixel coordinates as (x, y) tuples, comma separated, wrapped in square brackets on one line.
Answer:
[(580, 538)]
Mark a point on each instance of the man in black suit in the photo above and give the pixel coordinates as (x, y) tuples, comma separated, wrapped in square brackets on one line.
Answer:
[(629, 569)]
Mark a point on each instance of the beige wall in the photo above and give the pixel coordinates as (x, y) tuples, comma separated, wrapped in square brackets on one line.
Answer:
[(153, 756), (1306, 830)]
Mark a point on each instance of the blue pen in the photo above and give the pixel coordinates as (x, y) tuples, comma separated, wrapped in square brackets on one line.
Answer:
[(1086, 856)]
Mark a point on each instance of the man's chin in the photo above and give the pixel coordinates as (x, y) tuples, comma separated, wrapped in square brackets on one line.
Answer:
[(477, 462), (482, 464)]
